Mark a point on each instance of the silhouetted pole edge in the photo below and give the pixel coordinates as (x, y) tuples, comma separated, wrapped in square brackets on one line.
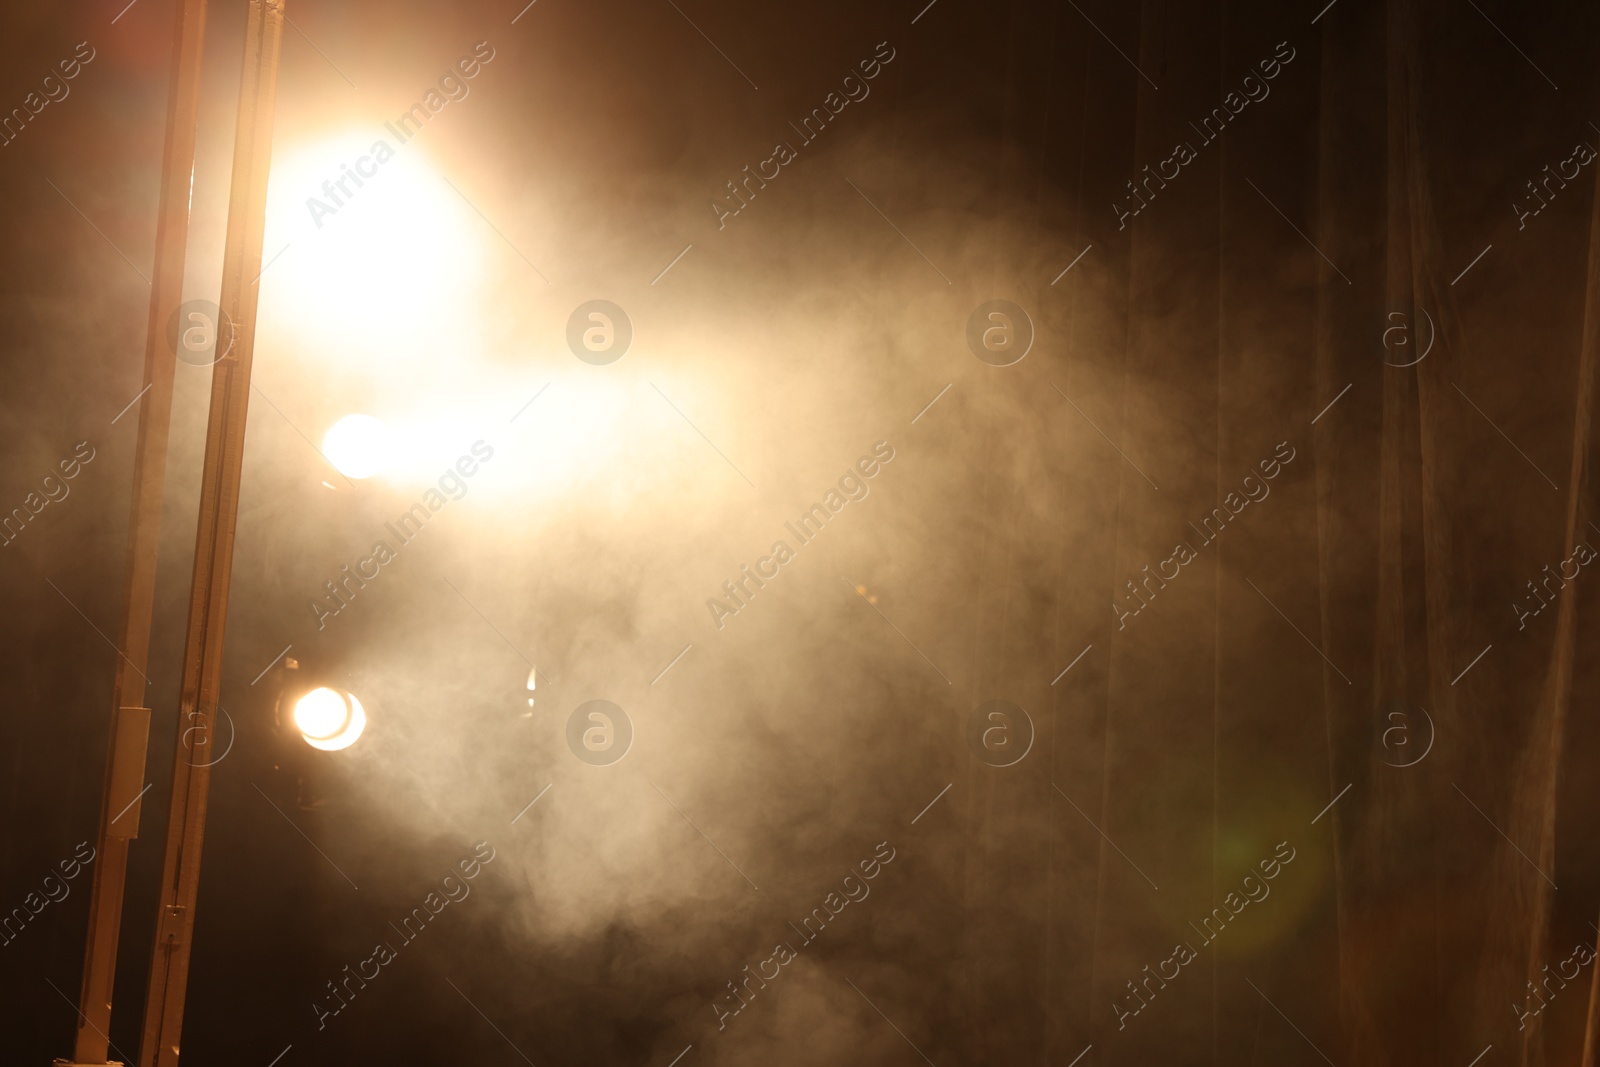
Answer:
[(1593, 1018), (130, 719), (213, 562)]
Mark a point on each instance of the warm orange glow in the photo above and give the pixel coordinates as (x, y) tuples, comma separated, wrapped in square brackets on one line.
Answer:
[(329, 720)]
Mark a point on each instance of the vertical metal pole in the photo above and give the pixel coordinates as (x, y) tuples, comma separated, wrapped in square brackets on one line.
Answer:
[(213, 558), (130, 719)]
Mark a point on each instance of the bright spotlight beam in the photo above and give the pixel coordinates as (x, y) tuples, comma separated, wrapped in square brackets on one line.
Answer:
[(329, 720), (359, 446)]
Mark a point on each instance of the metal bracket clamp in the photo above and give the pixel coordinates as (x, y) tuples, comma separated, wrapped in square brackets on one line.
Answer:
[(171, 924)]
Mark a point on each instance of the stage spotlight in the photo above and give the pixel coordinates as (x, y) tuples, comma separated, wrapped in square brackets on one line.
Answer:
[(329, 719), (359, 446), (380, 286)]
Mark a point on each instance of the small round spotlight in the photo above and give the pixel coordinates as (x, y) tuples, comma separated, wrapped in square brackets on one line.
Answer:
[(359, 446), (329, 720)]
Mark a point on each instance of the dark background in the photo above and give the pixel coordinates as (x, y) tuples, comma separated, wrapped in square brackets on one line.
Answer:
[(813, 725)]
